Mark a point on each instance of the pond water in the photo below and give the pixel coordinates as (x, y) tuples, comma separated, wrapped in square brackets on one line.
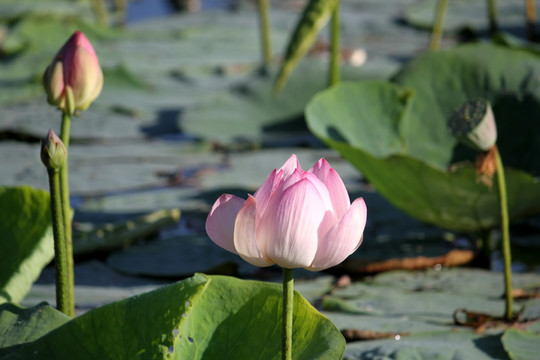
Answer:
[(142, 9)]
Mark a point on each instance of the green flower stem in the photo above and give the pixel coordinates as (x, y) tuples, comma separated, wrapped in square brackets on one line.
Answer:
[(530, 13), (492, 14), (505, 237), (288, 297), (62, 297), (100, 11), (438, 25), (120, 7), (66, 215), (335, 48), (265, 32)]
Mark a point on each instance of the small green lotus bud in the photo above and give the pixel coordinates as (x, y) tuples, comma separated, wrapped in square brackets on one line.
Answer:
[(53, 151), (474, 125)]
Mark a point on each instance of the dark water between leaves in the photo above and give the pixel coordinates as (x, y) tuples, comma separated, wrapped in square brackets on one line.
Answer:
[(142, 9)]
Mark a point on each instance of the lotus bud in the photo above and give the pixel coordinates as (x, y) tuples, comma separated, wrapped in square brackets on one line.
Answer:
[(74, 78), (474, 125), (53, 152)]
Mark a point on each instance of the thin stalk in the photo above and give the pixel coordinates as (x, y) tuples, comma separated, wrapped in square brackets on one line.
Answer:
[(62, 296), (492, 15), (505, 229), (288, 297), (438, 25), (530, 13), (120, 7), (335, 47), (66, 211), (100, 11), (264, 19)]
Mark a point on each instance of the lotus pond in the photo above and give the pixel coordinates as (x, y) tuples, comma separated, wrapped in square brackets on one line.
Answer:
[(193, 106)]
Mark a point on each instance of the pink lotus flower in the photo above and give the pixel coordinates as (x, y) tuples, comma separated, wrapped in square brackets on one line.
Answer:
[(295, 219), (74, 78)]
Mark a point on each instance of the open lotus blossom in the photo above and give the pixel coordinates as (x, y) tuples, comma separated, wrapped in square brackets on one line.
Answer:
[(74, 78), (295, 219)]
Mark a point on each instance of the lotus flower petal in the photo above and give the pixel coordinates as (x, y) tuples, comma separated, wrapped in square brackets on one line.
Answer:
[(245, 240), (331, 179), (343, 239), (262, 195), (288, 229), (290, 166), (220, 221)]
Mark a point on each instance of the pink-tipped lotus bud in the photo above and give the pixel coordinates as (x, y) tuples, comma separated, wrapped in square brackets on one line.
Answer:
[(474, 125), (53, 152), (74, 78)]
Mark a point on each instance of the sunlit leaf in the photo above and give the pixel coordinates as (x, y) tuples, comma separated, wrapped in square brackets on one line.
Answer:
[(26, 240), (19, 326), (203, 317), (396, 134)]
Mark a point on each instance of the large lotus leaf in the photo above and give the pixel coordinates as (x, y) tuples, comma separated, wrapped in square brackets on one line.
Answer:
[(19, 326), (508, 79), (397, 135), (26, 240), (203, 317)]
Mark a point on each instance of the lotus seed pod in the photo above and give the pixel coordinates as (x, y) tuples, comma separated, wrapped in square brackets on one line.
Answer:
[(474, 125)]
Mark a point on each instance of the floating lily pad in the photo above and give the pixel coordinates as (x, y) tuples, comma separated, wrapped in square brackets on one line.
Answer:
[(396, 135), (106, 237), (26, 241), (250, 110), (402, 325), (469, 282), (434, 346), (434, 307), (10, 10), (177, 258), (467, 13), (521, 344), (532, 309), (429, 297), (199, 42)]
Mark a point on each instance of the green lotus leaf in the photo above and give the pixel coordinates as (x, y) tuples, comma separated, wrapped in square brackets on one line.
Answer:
[(19, 326), (395, 133), (26, 239), (521, 344), (203, 317)]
